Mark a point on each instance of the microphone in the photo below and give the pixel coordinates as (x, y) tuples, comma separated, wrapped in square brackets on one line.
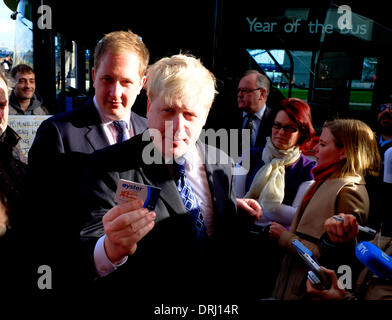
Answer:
[(375, 259)]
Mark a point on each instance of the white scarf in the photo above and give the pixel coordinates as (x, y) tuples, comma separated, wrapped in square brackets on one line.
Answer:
[(268, 184)]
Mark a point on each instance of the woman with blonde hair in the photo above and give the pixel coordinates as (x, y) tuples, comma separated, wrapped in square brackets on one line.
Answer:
[(347, 153)]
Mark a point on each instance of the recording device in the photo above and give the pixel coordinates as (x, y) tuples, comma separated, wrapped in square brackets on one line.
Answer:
[(315, 275), (367, 230), (315, 280), (375, 259)]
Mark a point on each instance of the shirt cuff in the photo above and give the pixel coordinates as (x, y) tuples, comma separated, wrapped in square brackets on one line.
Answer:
[(103, 265)]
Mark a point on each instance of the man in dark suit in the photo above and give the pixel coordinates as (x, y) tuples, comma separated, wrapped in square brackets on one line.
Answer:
[(165, 254), (120, 62), (253, 90), (63, 141)]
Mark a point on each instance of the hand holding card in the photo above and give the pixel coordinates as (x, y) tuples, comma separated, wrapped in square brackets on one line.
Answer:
[(125, 225)]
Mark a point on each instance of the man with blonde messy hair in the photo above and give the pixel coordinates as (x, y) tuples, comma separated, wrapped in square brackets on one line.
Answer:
[(192, 235), (179, 82)]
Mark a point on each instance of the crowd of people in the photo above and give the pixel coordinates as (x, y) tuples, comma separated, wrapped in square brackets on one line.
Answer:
[(212, 232)]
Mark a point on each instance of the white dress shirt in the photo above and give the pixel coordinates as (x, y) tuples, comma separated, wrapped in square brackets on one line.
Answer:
[(102, 263), (196, 174)]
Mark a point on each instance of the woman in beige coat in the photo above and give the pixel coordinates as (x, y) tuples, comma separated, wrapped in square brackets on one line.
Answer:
[(346, 153)]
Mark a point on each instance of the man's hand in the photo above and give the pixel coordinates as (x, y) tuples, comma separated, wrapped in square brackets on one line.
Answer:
[(125, 225), (250, 206)]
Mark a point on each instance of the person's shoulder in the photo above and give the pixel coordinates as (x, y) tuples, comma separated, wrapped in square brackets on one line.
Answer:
[(269, 113), (41, 111), (215, 155), (307, 162), (138, 117), (256, 152), (304, 166), (77, 116), (352, 186), (11, 110), (139, 123)]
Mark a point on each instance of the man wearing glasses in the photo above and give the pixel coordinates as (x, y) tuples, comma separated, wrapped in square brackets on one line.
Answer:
[(253, 90)]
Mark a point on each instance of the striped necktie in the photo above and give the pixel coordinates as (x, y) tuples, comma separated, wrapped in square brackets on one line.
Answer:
[(190, 200), (121, 127)]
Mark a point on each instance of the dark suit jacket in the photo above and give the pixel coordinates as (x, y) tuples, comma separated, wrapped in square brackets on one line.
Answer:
[(264, 129), (166, 261), (79, 130), (55, 162)]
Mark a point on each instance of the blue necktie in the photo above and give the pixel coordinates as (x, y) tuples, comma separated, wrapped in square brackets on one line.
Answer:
[(190, 201), (121, 127)]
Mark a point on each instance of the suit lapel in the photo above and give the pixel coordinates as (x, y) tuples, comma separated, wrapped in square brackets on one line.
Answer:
[(159, 176), (89, 118), (95, 134), (96, 137), (139, 124)]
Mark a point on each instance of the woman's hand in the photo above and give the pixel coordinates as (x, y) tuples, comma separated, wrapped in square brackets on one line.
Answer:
[(276, 230), (250, 206)]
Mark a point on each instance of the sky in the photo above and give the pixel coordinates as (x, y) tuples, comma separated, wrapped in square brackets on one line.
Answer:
[(7, 27)]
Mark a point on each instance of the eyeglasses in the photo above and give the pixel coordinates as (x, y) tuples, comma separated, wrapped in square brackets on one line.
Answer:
[(243, 90), (289, 129), (384, 106)]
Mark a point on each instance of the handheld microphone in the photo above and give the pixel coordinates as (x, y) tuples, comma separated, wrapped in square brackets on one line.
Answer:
[(316, 275), (375, 259)]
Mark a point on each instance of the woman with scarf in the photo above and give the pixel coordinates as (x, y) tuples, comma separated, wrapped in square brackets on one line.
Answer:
[(278, 178), (346, 153)]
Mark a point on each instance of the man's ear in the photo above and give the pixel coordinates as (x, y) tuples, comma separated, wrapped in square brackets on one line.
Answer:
[(263, 94), (142, 82), (148, 105), (93, 74)]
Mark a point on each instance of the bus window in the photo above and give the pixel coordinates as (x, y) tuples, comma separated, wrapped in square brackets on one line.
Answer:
[(87, 70), (23, 52), (70, 65), (361, 95), (57, 47), (277, 65)]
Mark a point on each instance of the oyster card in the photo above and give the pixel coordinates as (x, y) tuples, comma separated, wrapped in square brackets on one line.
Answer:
[(129, 190)]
